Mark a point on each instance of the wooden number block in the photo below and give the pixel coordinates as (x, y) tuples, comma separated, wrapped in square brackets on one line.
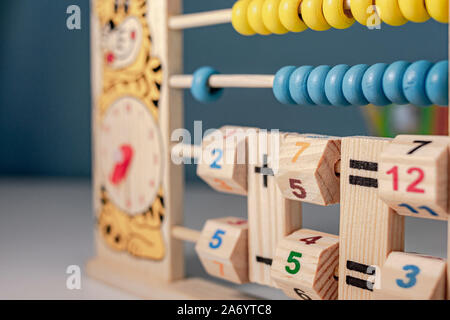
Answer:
[(369, 229), (271, 217), (223, 249), (223, 164), (407, 276), (305, 264), (414, 176), (307, 168)]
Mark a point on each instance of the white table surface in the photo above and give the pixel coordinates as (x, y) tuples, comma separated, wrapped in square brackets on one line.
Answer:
[(46, 225)]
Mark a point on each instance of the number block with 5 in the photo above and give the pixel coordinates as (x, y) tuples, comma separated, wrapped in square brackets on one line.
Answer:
[(413, 176), (223, 249), (307, 168), (306, 265)]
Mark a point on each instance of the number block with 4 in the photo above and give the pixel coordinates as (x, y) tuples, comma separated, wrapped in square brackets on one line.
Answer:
[(413, 176), (412, 277), (223, 249), (305, 265), (307, 168), (224, 161)]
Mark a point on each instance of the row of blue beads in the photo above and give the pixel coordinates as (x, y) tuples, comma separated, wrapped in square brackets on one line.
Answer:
[(421, 83)]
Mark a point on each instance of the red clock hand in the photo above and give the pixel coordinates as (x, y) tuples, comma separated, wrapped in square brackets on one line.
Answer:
[(120, 169)]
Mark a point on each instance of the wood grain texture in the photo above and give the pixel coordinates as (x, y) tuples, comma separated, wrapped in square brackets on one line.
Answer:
[(307, 168), (408, 276), (115, 266), (369, 229), (223, 249), (413, 176), (317, 254), (270, 216)]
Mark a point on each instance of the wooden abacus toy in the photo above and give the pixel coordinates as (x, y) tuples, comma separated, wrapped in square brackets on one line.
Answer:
[(138, 185)]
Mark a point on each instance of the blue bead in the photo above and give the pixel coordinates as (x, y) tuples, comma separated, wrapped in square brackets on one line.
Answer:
[(298, 86), (436, 84), (281, 85), (393, 82), (333, 85), (372, 85), (200, 88), (316, 85), (352, 85), (414, 83)]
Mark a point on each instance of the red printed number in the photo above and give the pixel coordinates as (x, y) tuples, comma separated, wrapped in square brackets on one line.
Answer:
[(298, 190), (311, 240), (413, 186)]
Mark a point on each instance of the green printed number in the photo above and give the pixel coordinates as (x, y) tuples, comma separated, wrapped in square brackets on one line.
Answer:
[(293, 259), (216, 241), (412, 277), (215, 164)]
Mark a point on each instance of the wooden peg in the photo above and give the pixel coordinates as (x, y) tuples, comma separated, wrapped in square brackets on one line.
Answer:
[(414, 176), (408, 276), (223, 164), (369, 229), (305, 264), (223, 249), (307, 168)]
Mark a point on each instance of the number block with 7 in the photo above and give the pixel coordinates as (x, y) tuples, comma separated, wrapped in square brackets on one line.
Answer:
[(413, 176), (223, 249), (307, 168), (408, 276), (305, 265)]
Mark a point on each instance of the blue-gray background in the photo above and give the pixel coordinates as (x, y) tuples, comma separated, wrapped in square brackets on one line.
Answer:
[(45, 84)]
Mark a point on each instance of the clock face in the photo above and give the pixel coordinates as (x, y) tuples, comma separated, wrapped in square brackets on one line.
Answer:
[(130, 155)]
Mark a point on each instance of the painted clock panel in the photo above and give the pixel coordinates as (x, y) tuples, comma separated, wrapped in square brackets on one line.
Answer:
[(130, 155)]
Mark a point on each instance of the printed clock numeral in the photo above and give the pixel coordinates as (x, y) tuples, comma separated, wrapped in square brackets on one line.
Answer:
[(293, 259), (311, 240), (413, 187), (297, 189), (411, 277), (215, 164), (217, 240)]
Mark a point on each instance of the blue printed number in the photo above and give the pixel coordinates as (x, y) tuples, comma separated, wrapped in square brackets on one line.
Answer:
[(412, 276), (216, 241), (219, 153)]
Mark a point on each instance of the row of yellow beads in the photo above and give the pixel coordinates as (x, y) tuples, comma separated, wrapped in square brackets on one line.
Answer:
[(281, 16)]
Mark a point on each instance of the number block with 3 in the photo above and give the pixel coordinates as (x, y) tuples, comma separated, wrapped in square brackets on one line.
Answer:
[(407, 276), (305, 265), (307, 168), (223, 249), (224, 160), (413, 176)]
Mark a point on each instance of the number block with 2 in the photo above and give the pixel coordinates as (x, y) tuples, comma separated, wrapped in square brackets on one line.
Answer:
[(223, 249), (413, 176), (408, 276), (305, 265), (224, 160), (307, 168)]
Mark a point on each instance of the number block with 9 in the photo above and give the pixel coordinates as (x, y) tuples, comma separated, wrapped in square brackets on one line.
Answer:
[(223, 249), (224, 161), (305, 265), (408, 276), (307, 168), (413, 176)]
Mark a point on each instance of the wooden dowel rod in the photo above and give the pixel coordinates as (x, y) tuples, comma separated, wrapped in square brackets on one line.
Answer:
[(185, 234), (181, 150), (209, 18), (226, 81)]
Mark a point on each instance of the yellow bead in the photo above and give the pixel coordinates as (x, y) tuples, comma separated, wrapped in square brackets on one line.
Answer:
[(438, 10), (390, 13), (289, 16), (271, 18), (239, 18), (364, 12), (414, 10), (334, 13), (312, 14), (254, 15)]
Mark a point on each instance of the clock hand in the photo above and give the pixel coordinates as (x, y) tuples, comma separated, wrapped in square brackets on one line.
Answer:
[(121, 168)]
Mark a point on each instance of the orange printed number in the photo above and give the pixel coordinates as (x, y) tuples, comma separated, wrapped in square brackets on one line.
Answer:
[(220, 268), (303, 146), (223, 185), (297, 189)]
